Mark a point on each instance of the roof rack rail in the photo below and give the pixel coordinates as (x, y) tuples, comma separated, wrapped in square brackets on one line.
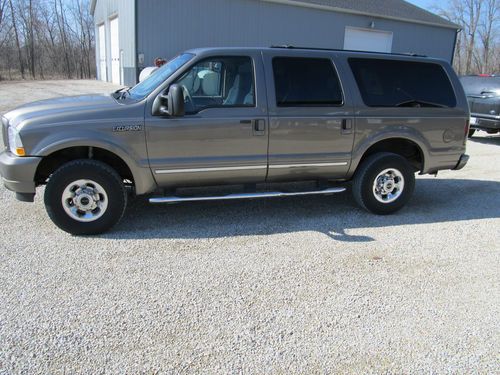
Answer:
[(287, 46)]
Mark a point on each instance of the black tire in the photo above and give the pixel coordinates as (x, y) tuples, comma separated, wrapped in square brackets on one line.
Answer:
[(471, 132), (366, 175), (95, 171)]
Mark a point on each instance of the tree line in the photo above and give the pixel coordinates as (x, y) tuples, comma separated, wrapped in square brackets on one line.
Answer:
[(42, 39), (478, 43)]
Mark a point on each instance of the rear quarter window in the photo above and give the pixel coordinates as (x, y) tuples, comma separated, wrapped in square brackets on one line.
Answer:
[(396, 83)]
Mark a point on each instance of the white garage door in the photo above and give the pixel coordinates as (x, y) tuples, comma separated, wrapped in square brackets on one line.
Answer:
[(115, 51), (367, 40), (102, 53)]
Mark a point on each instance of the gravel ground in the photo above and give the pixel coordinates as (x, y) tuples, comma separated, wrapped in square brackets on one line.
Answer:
[(296, 285)]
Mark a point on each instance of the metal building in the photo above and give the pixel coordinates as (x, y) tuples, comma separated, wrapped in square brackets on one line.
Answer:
[(131, 33)]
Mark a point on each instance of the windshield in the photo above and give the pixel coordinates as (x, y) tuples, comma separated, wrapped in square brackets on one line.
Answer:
[(146, 87)]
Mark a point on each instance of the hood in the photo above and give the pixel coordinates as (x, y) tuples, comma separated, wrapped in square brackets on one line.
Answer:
[(62, 109)]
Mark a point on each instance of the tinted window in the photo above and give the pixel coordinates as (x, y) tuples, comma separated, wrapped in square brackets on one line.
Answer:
[(481, 85), (392, 83), (219, 82), (306, 82)]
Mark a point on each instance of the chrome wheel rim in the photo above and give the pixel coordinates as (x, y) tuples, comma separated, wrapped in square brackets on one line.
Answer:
[(85, 200), (388, 185)]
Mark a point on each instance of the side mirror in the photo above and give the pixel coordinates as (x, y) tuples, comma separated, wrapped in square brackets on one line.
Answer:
[(171, 104)]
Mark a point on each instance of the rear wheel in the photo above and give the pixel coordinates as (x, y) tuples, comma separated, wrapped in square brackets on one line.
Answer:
[(471, 132), (85, 197), (383, 183)]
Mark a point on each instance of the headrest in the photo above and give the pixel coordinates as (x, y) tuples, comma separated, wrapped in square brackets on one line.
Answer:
[(209, 82)]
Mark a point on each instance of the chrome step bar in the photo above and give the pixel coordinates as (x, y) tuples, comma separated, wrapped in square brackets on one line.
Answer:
[(265, 194)]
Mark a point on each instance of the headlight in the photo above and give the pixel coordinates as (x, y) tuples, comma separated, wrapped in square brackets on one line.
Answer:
[(15, 143)]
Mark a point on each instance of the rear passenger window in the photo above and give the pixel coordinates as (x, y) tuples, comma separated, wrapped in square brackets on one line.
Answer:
[(306, 82), (392, 83)]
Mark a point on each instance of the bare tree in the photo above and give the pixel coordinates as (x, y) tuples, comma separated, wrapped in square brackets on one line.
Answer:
[(5, 28), (478, 48), (61, 23), (488, 32), (47, 38), (16, 33)]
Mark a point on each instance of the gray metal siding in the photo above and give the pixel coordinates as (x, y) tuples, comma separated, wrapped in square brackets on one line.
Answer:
[(167, 27), (125, 10)]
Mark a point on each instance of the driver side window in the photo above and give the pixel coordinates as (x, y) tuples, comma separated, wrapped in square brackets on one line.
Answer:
[(219, 82)]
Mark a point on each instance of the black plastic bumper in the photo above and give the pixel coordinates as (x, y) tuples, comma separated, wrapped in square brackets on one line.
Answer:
[(483, 123), (461, 162)]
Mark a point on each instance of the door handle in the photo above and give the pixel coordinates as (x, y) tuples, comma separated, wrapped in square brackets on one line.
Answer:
[(259, 125), (346, 126)]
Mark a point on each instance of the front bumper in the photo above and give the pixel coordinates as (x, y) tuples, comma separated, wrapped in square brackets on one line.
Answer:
[(461, 162), (18, 173)]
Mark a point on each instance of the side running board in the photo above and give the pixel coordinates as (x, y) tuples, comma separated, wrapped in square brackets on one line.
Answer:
[(266, 194)]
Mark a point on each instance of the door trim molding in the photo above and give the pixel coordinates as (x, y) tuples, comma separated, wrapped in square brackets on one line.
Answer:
[(217, 169), (285, 166), (249, 167)]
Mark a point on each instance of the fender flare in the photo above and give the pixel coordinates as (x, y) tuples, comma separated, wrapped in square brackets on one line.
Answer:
[(407, 134), (143, 178)]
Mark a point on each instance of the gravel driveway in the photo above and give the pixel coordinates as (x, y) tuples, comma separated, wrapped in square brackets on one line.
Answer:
[(296, 285)]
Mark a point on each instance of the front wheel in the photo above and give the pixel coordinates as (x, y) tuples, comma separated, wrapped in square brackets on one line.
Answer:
[(85, 197), (383, 183)]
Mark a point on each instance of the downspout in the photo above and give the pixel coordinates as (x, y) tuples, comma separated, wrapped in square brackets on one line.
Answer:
[(455, 46)]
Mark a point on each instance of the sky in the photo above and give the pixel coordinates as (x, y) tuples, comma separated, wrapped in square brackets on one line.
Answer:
[(426, 4)]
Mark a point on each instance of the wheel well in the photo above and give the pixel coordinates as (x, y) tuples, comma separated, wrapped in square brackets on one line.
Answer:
[(52, 162), (404, 147)]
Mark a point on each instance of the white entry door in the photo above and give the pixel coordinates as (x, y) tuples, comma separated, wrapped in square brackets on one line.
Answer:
[(357, 39), (102, 53), (115, 51)]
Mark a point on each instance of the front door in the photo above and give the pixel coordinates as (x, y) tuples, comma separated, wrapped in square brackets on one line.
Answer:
[(223, 137), (311, 119)]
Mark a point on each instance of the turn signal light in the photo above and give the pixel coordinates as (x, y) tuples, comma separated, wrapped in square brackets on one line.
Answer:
[(20, 151)]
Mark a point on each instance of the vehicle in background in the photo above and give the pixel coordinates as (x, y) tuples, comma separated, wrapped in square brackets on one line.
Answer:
[(251, 117), (483, 95)]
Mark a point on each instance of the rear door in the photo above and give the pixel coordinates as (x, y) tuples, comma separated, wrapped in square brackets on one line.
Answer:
[(311, 119), (223, 137)]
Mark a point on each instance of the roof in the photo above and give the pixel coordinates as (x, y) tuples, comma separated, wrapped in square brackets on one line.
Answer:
[(312, 50), (391, 9)]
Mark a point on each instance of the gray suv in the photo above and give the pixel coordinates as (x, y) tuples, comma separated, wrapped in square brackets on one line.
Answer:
[(241, 116), (483, 93)]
